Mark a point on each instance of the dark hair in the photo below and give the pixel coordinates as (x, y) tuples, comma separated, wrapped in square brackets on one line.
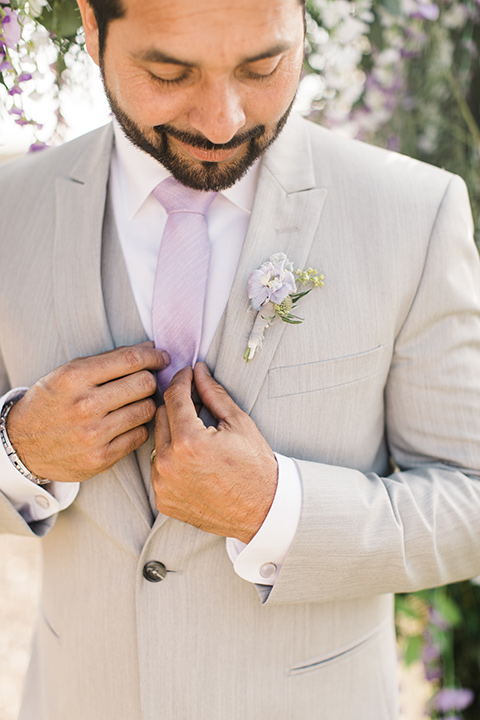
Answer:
[(107, 10)]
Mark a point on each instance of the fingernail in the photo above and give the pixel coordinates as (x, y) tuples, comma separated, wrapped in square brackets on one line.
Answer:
[(166, 358), (207, 371)]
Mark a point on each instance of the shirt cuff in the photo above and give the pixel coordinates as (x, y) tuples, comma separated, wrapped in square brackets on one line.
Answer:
[(261, 560), (33, 502)]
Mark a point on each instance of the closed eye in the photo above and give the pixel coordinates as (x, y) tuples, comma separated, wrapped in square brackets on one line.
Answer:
[(261, 70), (165, 81)]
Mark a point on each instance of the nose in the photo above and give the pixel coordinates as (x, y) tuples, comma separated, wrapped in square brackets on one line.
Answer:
[(218, 111)]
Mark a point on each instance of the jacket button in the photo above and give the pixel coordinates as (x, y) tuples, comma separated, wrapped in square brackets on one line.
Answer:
[(154, 571)]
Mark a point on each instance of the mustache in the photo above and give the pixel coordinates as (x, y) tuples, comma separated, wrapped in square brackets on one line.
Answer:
[(199, 141)]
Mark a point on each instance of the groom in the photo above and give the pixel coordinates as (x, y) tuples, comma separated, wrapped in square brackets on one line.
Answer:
[(342, 463)]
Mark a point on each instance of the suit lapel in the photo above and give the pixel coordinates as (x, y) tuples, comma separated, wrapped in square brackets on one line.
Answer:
[(285, 216), (77, 263), (126, 329), (77, 281), (122, 315)]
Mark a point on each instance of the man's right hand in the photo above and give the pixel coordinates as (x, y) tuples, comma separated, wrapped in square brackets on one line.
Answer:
[(83, 417)]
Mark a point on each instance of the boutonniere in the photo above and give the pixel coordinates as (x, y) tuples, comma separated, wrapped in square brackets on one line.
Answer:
[(274, 292)]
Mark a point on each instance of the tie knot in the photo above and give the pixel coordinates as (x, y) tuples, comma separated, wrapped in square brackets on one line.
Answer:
[(176, 197)]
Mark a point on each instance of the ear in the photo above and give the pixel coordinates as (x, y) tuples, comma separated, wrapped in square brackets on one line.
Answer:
[(91, 29)]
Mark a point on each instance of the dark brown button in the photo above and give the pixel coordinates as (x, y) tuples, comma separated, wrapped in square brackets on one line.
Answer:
[(154, 571)]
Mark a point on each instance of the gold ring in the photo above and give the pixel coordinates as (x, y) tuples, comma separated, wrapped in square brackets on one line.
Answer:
[(153, 455)]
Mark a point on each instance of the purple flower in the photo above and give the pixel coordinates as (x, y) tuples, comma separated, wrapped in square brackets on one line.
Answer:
[(11, 28), (449, 699), (393, 143), (15, 90), (425, 11), (24, 77), (15, 111), (433, 673), (272, 282), (37, 145), (431, 653), (22, 121), (437, 619), (4, 64)]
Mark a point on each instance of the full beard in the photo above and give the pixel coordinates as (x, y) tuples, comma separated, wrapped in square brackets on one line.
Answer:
[(197, 174)]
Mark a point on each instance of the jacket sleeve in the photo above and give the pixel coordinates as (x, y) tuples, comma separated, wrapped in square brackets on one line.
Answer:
[(12, 520), (361, 534)]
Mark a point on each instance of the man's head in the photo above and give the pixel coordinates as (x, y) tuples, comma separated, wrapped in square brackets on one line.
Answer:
[(204, 86)]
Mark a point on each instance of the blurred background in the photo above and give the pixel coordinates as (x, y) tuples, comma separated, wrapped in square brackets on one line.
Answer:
[(403, 74)]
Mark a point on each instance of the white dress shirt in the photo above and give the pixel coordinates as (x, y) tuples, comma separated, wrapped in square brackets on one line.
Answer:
[(140, 220)]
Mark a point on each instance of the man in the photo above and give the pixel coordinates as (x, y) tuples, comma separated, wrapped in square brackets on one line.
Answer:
[(371, 405)]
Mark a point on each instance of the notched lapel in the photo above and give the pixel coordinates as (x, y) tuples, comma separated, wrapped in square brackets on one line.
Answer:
[(80, 308)]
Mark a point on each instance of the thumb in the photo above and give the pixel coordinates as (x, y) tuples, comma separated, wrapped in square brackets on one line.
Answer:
[(213, 395)]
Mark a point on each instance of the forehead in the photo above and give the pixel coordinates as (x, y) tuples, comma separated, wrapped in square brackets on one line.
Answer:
[(191, 25)]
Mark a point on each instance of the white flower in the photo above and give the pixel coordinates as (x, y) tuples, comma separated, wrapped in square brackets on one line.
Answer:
[(272, 282), (273, 292), (36, 7)]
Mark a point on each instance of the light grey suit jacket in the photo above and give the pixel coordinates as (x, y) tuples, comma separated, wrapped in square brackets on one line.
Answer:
[(376, 395)]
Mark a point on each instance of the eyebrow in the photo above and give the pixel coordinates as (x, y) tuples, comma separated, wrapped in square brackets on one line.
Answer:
[(152, 55)]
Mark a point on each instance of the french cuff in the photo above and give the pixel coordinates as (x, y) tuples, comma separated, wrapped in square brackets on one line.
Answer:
[(261, 560), (33, 502)]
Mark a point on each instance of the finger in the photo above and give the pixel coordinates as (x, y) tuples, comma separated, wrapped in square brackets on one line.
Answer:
[(124, 444), (213, 395), (127, 418), (162, 430), (196, 400), (179, 405), (120, 362), (129, 389)]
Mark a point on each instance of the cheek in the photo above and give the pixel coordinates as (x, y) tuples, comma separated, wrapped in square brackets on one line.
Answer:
[(139, 96), (267, 106), (272, 99)]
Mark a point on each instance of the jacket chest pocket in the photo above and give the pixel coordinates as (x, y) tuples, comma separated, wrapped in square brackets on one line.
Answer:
[(324, 374)]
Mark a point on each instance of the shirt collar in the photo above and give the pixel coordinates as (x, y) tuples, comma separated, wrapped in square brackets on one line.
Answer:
[(139, 174)]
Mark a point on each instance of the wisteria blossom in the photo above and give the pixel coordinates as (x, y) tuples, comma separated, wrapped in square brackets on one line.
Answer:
[(452, 699), (24, 40)]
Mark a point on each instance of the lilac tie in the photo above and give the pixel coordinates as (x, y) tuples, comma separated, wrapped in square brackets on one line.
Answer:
[(181, 276)]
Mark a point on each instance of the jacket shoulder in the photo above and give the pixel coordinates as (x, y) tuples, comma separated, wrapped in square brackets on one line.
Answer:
[(38, 169), (337, 157)]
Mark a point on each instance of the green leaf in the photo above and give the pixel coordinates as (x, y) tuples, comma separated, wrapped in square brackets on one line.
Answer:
[(296, 297), (413, 649), (62, 19), (292, 322), (448, 608), (408, 611), (394, 7)]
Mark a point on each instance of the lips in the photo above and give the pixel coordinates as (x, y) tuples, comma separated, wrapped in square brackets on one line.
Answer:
[(206, 155)]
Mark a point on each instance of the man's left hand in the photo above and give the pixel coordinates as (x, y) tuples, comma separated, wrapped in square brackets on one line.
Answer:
[(221, 480)]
